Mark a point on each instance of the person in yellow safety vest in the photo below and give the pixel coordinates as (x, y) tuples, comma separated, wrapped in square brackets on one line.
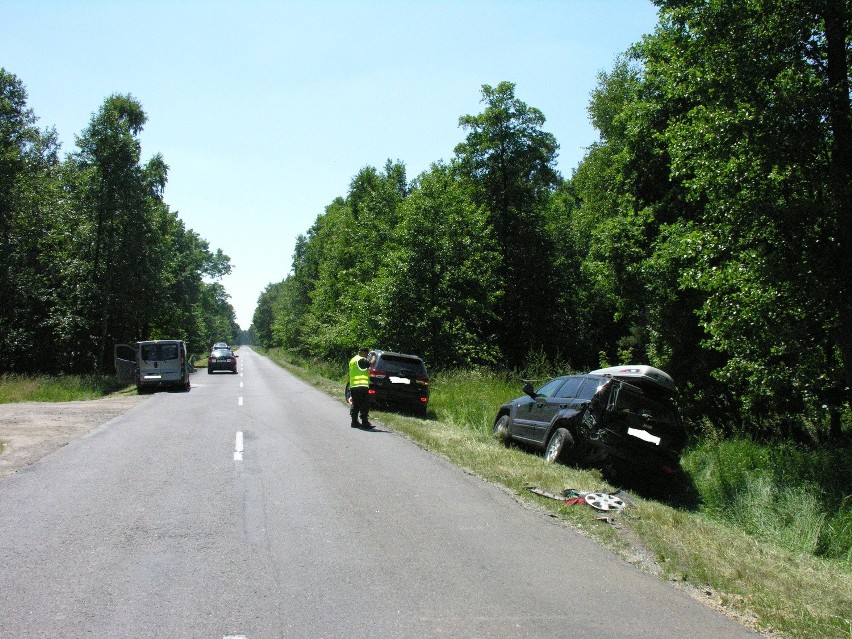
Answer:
[(359, 386)]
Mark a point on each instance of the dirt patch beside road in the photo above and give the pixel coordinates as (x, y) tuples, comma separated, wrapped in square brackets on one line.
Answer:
[(31, 430)]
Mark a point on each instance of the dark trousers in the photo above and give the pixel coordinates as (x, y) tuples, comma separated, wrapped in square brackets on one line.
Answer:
[(360, 404)]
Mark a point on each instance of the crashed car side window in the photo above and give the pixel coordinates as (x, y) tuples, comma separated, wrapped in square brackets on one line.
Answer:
[(589, 388), (549, 389), (570, 387)]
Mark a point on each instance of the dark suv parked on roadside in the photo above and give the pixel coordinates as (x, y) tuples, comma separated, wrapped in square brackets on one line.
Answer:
[(620, 414), (397, 379)]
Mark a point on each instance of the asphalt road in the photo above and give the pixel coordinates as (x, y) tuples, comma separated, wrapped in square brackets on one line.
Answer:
[(249, 508)]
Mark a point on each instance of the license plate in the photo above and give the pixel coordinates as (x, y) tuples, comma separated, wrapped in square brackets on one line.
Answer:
[(644, 435), (400, 380)]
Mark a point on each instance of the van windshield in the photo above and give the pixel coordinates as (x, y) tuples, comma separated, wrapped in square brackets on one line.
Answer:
[(159, 352)]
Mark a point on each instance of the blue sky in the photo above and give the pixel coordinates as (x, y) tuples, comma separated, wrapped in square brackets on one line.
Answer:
[(265, 111)]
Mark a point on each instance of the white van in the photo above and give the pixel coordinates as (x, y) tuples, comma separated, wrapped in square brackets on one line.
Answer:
[(153, 364)]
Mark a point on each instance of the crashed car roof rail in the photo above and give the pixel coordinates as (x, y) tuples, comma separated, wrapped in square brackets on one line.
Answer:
[(638, 374)]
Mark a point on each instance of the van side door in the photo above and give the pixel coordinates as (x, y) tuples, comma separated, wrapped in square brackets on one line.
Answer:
[(124, 358)]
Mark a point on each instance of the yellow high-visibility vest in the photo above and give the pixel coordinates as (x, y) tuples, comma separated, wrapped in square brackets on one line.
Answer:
[(358, 376)]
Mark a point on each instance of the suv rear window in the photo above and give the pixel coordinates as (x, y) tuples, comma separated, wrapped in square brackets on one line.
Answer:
[(400, 364)]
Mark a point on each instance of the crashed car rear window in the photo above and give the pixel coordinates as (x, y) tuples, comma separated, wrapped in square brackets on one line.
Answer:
[(640, 405)]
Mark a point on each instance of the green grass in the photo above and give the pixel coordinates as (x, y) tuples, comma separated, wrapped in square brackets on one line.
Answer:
[(769, 543), (64, 388), (796, 498)]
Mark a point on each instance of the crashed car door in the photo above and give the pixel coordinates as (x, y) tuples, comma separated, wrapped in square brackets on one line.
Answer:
[(547, 408), (531, 412), (563, 397)]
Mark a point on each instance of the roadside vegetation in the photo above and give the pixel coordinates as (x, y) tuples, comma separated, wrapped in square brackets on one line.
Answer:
[(706, 233), (62, 388), (763, 531), (91, 254)]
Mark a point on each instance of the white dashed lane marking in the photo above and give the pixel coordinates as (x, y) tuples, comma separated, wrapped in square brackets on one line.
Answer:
[(238, 447)]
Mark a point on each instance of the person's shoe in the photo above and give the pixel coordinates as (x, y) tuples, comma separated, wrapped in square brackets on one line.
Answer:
[(367, 425), (355, 425)]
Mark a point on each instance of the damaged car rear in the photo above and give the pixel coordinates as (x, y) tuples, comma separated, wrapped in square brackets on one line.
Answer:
[(623, 415)]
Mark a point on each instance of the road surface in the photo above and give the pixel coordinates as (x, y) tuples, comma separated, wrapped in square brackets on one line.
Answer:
[(249, 508)]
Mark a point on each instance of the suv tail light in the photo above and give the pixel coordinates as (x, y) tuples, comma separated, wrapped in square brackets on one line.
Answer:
[(378, 374), (423, 380)]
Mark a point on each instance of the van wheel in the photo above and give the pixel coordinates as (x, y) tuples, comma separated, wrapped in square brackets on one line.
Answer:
[(559, 447), (501, 430)]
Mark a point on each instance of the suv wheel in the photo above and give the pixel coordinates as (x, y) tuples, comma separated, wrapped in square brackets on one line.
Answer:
[(501, 430), (559, 447)]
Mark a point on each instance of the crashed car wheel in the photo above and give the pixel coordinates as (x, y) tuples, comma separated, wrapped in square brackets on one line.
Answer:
[(501, 430), (559, 447)]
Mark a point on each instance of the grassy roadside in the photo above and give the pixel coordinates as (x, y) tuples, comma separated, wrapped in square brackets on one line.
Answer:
[(762, 583), (65, 388)]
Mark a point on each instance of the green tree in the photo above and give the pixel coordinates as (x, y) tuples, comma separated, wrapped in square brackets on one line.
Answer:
[(724, 154), (343, 253), (438, 287), (191, 303), (510, 161), (757, 150), (116, 197), (264, 317), (31, 207)]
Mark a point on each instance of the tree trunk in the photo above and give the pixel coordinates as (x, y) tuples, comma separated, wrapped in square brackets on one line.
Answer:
[(836, 19)]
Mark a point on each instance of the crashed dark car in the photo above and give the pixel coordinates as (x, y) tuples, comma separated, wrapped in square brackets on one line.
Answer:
[(622, 414)]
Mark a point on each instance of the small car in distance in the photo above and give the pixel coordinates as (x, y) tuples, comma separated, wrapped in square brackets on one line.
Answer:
[(221, 359), (624, 415)]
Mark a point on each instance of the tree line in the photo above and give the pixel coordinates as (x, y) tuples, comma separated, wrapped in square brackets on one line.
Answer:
[(707, 232), (90, 253)]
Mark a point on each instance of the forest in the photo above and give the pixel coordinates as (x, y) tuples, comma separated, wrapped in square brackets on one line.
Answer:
[(90, 253), (707, 232)]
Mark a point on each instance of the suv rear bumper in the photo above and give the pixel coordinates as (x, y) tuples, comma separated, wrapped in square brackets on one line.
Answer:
[(382, 395)]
